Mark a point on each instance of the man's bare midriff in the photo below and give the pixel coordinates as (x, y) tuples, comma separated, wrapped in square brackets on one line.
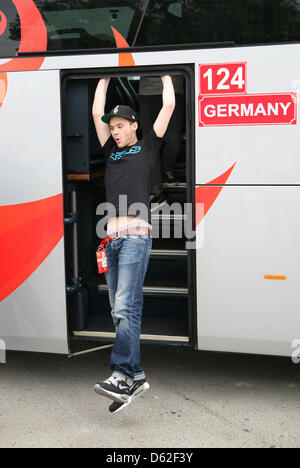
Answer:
[(122, 222)]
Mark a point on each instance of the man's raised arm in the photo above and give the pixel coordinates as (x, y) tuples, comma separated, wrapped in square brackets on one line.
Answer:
[(98, 111), (168, 96)]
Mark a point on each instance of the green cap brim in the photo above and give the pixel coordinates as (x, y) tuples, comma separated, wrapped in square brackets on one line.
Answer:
[(106, 118)]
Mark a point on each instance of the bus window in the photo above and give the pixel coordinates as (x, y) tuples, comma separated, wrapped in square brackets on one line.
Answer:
[(80, 24), (87, 24), (10, 34), (241, 21)]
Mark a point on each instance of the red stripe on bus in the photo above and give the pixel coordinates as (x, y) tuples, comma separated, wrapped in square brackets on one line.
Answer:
[(207, 195), (3, 87), (33, 37), (126, 59), (32, 232), (3, 22)]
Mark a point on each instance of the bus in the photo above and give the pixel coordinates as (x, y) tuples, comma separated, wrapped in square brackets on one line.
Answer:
[(225, 265)]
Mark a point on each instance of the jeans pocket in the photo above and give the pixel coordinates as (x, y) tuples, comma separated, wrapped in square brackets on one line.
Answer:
[(134, 249)]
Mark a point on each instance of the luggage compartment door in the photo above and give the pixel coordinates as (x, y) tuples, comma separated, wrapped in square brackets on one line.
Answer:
[(248, 180), (32, 276)]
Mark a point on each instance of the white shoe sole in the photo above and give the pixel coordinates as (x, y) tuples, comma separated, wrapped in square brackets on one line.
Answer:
[(112, 396), (139, 392)]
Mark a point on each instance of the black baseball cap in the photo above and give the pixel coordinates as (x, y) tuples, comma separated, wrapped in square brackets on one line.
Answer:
[(121, 111)]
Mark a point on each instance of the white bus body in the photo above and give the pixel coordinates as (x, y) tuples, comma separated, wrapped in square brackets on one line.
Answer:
[(243, 277)]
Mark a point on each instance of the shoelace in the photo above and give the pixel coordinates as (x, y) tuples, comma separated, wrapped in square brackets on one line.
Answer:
[(114, 380)]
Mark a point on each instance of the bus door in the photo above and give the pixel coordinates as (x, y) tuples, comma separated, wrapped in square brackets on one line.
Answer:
[(32, 274), (167, 311), (247, 197)]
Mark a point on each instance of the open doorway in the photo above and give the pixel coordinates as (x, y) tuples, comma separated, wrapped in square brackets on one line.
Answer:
[(168, 312)]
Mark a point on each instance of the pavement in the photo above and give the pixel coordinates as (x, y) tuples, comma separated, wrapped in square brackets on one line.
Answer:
[(197, 399)]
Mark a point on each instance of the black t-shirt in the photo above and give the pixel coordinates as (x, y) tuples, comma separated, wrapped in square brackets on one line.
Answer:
[(128, 173)]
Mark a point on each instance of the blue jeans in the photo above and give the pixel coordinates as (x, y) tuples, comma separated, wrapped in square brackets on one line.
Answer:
[(128, 259)]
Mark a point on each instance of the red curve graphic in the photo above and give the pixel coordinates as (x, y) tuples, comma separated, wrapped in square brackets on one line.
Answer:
[(126, 59), (3, 76), (3, 87), (3, 22), (28, 233), (207, 195), (33, 38)]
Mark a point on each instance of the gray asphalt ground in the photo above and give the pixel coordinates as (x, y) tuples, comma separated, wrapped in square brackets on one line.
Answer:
[(197, 399)]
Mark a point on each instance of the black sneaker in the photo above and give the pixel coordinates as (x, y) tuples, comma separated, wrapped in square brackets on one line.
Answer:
[(169, 179), (138, 388), (114, 388), (157, 201)]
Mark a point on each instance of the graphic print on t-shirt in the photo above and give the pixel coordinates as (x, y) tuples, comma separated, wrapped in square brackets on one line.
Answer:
[(120, 154)]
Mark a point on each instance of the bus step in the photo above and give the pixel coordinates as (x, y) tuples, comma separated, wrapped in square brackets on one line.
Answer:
[(103, 335), (154, 290), (168, 253), (179, 186)]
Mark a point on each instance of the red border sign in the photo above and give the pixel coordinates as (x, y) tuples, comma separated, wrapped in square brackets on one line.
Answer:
[(223, 78), (251, 109)]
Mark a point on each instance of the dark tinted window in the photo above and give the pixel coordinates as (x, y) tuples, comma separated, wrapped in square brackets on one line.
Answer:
[(241, 21), (9, 29), (75, 24), (86, 24)]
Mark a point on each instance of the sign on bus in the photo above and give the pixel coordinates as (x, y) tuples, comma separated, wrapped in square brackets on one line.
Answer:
[(225, 78)]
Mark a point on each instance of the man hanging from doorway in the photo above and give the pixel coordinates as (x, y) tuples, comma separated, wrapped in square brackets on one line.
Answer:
[(129, 163)]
